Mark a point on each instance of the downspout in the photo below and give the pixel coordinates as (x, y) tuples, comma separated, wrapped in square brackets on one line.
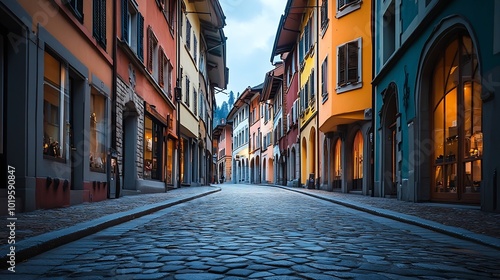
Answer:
[(318, 183), (372, 138), (178, 91), (114, 77)]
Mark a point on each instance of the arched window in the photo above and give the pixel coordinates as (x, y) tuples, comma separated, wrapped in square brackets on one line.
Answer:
[(457, 125), (357, 153)]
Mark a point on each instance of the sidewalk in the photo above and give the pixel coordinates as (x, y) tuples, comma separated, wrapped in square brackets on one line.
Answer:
[(42, 230), (465, 222)]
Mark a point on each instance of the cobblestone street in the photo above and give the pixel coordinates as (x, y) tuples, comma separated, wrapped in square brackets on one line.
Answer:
[(260, 232)]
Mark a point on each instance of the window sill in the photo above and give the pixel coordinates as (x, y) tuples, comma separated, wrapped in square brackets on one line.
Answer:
[(349, 87)]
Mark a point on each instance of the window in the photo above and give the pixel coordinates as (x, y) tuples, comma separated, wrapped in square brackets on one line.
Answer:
[(133, 28), (345, 7), (76, 6), (99, 22), (53, 110), (389, 32), (169, 11), (324, 79), (153, 139), (457, 121), (187, 91), (152, 62), (188, 34), (166, 74), (97, 131), (349, 66), (324, 14)]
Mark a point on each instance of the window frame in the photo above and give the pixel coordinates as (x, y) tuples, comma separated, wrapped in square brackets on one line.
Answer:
[(344, 9), (349, 85)]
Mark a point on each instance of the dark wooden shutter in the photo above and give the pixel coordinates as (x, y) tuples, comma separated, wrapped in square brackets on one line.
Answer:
[(341, 66), (140, 36), (102, 23), (150, 50), (96, 19), (161, 57), (352, 62), (125, 21)]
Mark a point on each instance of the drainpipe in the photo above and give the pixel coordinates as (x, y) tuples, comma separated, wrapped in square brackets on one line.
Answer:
[(318, 183), (372, 142), (113, 101), (178, 92)]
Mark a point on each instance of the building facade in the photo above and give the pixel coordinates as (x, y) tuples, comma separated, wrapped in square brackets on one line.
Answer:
[(345, 57), (435, 94), (239, 117), (255, 135), (55, 102), (222, 135)]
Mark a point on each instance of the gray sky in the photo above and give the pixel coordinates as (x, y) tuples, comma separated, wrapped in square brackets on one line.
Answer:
[(250, 29)]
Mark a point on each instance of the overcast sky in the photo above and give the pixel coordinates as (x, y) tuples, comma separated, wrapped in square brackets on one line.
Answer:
[(250, 29)]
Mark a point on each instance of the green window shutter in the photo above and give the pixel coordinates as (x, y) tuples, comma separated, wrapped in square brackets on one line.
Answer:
[(125, 30), (140, 36), (341, 66)]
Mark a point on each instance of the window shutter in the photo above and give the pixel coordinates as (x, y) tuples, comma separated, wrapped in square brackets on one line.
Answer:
[(103, 23), (313, 89), (140, 36), (95, 19), (125, 21), (341, 66), (352, 62), (161, 58), (150, 50)]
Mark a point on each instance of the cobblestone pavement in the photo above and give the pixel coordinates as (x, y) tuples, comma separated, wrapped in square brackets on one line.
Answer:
[(260, 232)]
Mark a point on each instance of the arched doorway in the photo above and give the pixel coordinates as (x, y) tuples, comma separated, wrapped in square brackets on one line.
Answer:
[(311, 155), (293, 164), (456, 122), (337, 165), (303, 170), (252, 171), (257, 171), (390, 167), (270, 167), (357, 153)]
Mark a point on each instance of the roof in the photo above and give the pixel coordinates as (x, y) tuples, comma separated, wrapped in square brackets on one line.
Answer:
[(289, 27), (272, 82), (244, 98), (213, 20)]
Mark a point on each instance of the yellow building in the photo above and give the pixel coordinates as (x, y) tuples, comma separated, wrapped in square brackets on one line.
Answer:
[(308, 65), (345, 102)]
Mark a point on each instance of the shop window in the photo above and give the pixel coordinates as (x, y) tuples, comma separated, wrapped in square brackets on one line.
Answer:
[(153, 136), (358, 161), (97, 132), (170, 161), (53, 112), (133, 27), (457, 122), (337, 164)]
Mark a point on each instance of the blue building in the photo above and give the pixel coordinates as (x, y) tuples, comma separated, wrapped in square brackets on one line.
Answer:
[(436, 101)]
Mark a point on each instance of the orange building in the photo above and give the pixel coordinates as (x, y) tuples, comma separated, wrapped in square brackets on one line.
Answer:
[(345, 103), (145, 108), (56, 85)]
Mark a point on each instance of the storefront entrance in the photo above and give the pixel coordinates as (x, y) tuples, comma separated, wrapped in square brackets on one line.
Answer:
[(456, 109)]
